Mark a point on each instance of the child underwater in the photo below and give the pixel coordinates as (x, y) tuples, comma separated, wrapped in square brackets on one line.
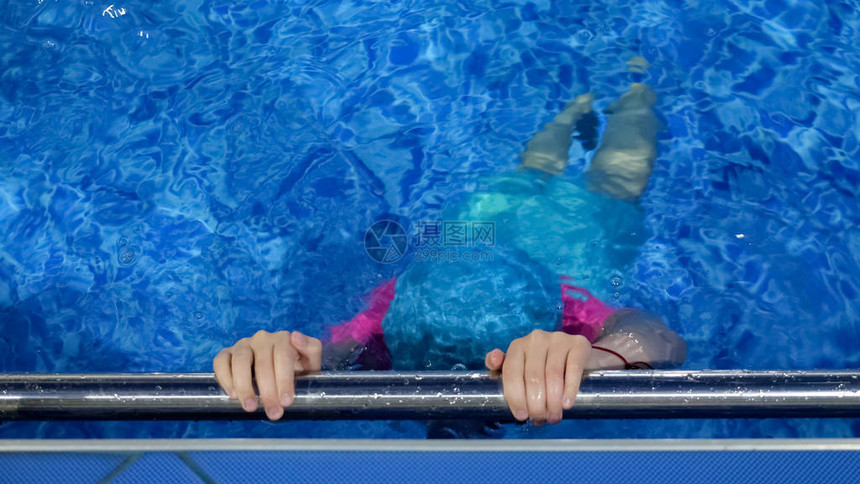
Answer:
[(549, 232)]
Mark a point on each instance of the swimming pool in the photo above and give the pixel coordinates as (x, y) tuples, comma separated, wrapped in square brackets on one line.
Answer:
[(177, 176)]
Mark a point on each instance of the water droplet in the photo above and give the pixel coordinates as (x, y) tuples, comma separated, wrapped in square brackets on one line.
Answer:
[(584, 35), (127, 255)]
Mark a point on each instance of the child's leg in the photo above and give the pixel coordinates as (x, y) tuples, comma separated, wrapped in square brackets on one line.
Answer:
[(623, 163), (547, 150)]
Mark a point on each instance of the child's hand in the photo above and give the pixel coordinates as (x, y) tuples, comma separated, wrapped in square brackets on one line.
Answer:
[(276, 357), (541, 374)]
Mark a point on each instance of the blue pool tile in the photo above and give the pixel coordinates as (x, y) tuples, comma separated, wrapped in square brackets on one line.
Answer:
[(476, 467), (161, 467), (53, 468)]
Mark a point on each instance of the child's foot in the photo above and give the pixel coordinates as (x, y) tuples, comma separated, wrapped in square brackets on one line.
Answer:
[(638, 68), (575, 109), (637, 96), (548, 149), (638, 64)]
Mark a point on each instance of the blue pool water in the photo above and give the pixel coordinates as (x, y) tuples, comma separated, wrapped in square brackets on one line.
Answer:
[(177, 175)]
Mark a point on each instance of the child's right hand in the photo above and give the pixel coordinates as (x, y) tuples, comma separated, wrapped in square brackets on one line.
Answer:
[(275, 357), (541, 374)]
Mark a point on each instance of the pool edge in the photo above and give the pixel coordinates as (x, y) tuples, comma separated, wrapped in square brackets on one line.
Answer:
[(412, 445)]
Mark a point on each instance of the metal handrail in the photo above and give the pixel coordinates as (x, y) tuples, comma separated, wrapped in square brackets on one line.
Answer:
[(434, 395)]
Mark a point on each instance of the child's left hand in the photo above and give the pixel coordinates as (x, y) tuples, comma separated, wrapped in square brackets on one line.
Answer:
[(541, 374)]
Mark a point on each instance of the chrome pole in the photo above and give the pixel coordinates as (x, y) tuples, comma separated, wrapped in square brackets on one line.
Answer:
[(434, 395)]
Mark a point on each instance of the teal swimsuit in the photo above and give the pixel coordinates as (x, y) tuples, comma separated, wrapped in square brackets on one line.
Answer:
[(449, 313)]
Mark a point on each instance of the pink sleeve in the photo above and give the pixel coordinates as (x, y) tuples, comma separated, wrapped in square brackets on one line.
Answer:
[(367, 324), (583, 315)]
